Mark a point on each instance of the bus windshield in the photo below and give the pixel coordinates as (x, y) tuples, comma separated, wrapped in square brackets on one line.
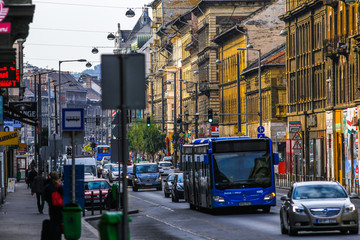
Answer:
[(242, 170), (103, 150)]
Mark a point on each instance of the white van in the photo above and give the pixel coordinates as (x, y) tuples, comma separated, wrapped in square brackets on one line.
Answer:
[(88, 162)]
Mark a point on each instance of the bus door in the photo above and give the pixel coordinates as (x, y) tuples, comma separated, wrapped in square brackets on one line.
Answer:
[(203, 180), (197, 179)]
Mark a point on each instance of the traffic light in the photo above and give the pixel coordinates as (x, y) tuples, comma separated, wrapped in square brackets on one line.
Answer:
[(210, 115), (68, 151), (97, 120), (85, 121), (148, 121)]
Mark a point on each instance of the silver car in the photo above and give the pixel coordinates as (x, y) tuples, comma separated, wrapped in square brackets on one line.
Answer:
[(318, 206)]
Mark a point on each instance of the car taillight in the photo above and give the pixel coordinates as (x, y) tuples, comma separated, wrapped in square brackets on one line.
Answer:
[(172, 167), (160, 167)]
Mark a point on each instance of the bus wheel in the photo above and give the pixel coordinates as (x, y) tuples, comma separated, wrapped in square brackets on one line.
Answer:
[(266, 209)]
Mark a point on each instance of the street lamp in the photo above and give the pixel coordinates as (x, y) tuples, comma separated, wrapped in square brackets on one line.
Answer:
[(60, 62), (130, 13), (250, 47)]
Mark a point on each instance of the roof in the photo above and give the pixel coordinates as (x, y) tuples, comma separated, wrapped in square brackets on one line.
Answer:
[(308, 183), (272, 58)]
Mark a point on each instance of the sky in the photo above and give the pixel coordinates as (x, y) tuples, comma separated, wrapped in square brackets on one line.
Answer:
[(68, 30)]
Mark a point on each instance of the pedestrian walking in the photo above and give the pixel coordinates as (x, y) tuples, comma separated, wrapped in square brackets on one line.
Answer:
[(28, 170), (32, 175), (55, 212), (38, 187)]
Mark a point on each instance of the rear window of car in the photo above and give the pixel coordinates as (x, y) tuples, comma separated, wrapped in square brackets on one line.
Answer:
[(319, 191), (165, 164), (96, 185), (151, 168)]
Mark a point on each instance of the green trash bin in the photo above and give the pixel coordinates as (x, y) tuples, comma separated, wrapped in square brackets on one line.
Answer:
[(110, 224), (114, 189), (18, 176), (72, 221)]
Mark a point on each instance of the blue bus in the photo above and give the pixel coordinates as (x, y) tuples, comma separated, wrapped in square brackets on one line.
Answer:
[(102, 151), (229, 172)]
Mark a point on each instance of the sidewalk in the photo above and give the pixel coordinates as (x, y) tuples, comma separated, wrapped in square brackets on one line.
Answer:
[(20, 218)]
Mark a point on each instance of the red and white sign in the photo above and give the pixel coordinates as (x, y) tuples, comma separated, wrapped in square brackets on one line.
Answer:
[(297, 145), (297, 136), (215, 131), (3, 10), (5, 27)]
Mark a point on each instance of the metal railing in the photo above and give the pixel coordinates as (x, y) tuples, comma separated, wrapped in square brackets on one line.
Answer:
[(287, 180)]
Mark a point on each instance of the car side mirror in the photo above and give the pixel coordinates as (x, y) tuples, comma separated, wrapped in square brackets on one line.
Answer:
[(353, 195), (164, 180), (284, 198)]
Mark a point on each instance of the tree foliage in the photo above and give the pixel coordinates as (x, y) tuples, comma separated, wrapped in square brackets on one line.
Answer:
[(143, 138)]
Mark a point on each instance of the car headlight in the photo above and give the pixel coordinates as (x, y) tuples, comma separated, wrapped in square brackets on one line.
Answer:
[(127, 177), (269, 196), (218, 199), (350, 208), (159, 179), (299, 209), (135, 179)]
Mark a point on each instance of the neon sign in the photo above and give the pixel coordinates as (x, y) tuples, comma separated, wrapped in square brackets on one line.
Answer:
[(9, 75), (4, 26)]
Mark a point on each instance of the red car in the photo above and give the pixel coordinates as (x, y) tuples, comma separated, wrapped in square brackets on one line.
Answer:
[(95, 185)]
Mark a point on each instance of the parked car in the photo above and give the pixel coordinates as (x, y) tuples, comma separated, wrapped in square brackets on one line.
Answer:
[(128, 175), (177, 189), (113, 173), (146, 175), (167, 159), (106, 169), (95, 185), (168, 182), (165, 168), (318, 206)]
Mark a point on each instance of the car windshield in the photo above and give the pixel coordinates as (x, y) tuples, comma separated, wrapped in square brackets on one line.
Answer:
[(180, 178), (171, 177), (151, 168), (90, 169), (319, 191), (97, 185), (242, 170), (116, 168), (107, 166), (165, 164)]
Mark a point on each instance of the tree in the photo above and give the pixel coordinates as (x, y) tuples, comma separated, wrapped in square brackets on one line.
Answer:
[(135, 136), (154, 140)]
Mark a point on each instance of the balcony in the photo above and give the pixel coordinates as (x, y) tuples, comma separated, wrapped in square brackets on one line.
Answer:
[(204, 86), (332, 3), (336, 46)]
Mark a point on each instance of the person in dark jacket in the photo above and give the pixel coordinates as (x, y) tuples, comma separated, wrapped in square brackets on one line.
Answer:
[(38, 187), (32, 175), (55, 213), (28, 170)]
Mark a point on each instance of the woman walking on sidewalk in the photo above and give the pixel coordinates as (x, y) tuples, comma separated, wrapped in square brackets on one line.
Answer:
[(38, 187), (55, 212)]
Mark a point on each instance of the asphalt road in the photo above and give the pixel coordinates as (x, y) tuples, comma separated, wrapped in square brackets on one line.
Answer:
[(159, 218)]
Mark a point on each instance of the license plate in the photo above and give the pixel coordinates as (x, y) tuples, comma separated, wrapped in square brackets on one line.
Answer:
[(96, 200), (148, 184), (245, 204), (325, 220)]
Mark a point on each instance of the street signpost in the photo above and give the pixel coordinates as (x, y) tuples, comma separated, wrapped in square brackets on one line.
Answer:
[(260, 135), (123, 80), (260, 129)]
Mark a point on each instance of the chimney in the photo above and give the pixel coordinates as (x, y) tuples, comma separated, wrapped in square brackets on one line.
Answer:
[(88, 82)]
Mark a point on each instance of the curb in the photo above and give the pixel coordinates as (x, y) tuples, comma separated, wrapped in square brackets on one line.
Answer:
[(96, 217)]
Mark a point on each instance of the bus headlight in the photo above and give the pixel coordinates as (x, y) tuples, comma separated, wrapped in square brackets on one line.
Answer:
[(269, 196), (218, 199)]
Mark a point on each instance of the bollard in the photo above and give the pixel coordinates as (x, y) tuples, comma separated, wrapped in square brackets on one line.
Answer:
[(100, 201), (92, 203)]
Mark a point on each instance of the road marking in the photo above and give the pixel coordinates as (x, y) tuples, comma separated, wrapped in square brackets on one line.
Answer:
[(180, 228), (155, 204)]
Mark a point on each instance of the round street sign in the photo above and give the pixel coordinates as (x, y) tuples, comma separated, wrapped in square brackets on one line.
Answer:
[(260, 129), (181, 140)]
